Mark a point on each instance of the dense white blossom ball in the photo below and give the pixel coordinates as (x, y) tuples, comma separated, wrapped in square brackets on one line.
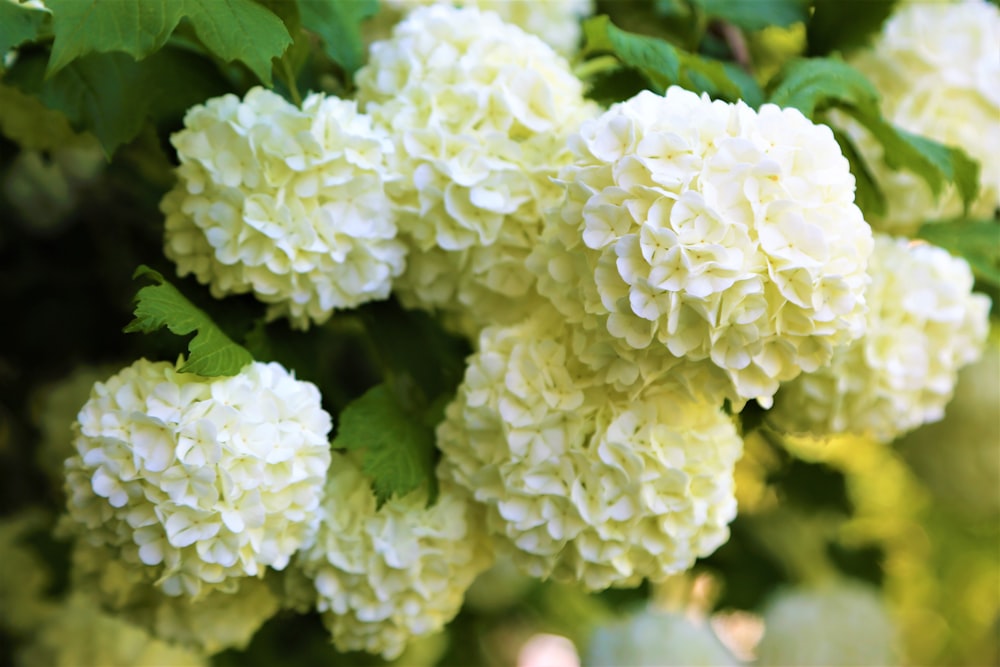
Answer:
[(837, 623), (583, 483), (658, 639), (727, 235), (480, 112), (556, 22), (206, 480), (283, 202), (937, 69), (387, 575), (924, 323)]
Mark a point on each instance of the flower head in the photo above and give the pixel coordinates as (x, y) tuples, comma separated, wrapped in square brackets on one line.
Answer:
[(283, 202), (206, 480)]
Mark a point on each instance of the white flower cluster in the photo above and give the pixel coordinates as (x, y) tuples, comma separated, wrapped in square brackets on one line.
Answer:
[(479, 111), (386, 575), (936, 67), (728, 236), (556, 22), (286, 203), (207, 480), (837, 623), (924, 323), (584, 483), (658, 639)]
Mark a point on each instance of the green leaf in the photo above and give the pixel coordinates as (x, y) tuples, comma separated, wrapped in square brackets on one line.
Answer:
[(659, 61), (338, 23), (240, 30), (18, 24), (111, 96), (398, 448), (816, 84), (978, 241), (757, 14), (867, 194), (840, 25), (211, 352)]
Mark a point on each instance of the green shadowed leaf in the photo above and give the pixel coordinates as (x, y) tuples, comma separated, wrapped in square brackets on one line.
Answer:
[(815, 85), (397, 447), (338, 23), (978, 241), (757, 14), (211, 351), (660, 62), (841, 25), (18, 24)]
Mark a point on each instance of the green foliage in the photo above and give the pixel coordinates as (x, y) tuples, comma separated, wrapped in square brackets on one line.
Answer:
[(816, 85), (111, 95), (338, 23), (978, 241), (840, 25), (757, 14), (397, 447), (867, 194), (18, 24), (212, 352), (659, 61), (240, 30)]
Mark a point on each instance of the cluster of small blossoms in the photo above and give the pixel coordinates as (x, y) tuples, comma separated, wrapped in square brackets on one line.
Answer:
[(726, 235), (479, 111), (923, 324), (936, 67), (206, 480), (385, 575), (580, 482), (286, 203), (556, 22)]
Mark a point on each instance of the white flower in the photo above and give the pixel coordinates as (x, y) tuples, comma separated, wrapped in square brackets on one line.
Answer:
[(658, 639), (384, 576), (838, 623), (206, 480), (924, 323), (556, 22), (936, 85), (584, 483), (480, 112), (728, 236), (286, 203)]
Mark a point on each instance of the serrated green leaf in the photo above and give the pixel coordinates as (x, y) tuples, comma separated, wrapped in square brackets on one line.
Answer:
[(978, 241), (240, 30), (757, 14), (211, 351), (660, 62), (338, 23), (815, 84), (398, 448), (18, 24), (138, 28), (839, 25)]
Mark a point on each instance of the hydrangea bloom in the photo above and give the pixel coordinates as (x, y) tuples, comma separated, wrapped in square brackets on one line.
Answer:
[(838, 623), (557, 22), (286, 203), (924, 323), (584, 483), (386, 575), (204, 479), (728, 236), (658, 639), (480, 111), (941, 87)]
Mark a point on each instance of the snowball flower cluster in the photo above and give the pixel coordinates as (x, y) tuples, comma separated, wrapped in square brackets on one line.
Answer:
[(837, 623), (479, 111), (556, 22), (726, 235), (207, 480), (283, 202), (924, 323), (658, 639), (583, 483), (937, 69), (386, 575)]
